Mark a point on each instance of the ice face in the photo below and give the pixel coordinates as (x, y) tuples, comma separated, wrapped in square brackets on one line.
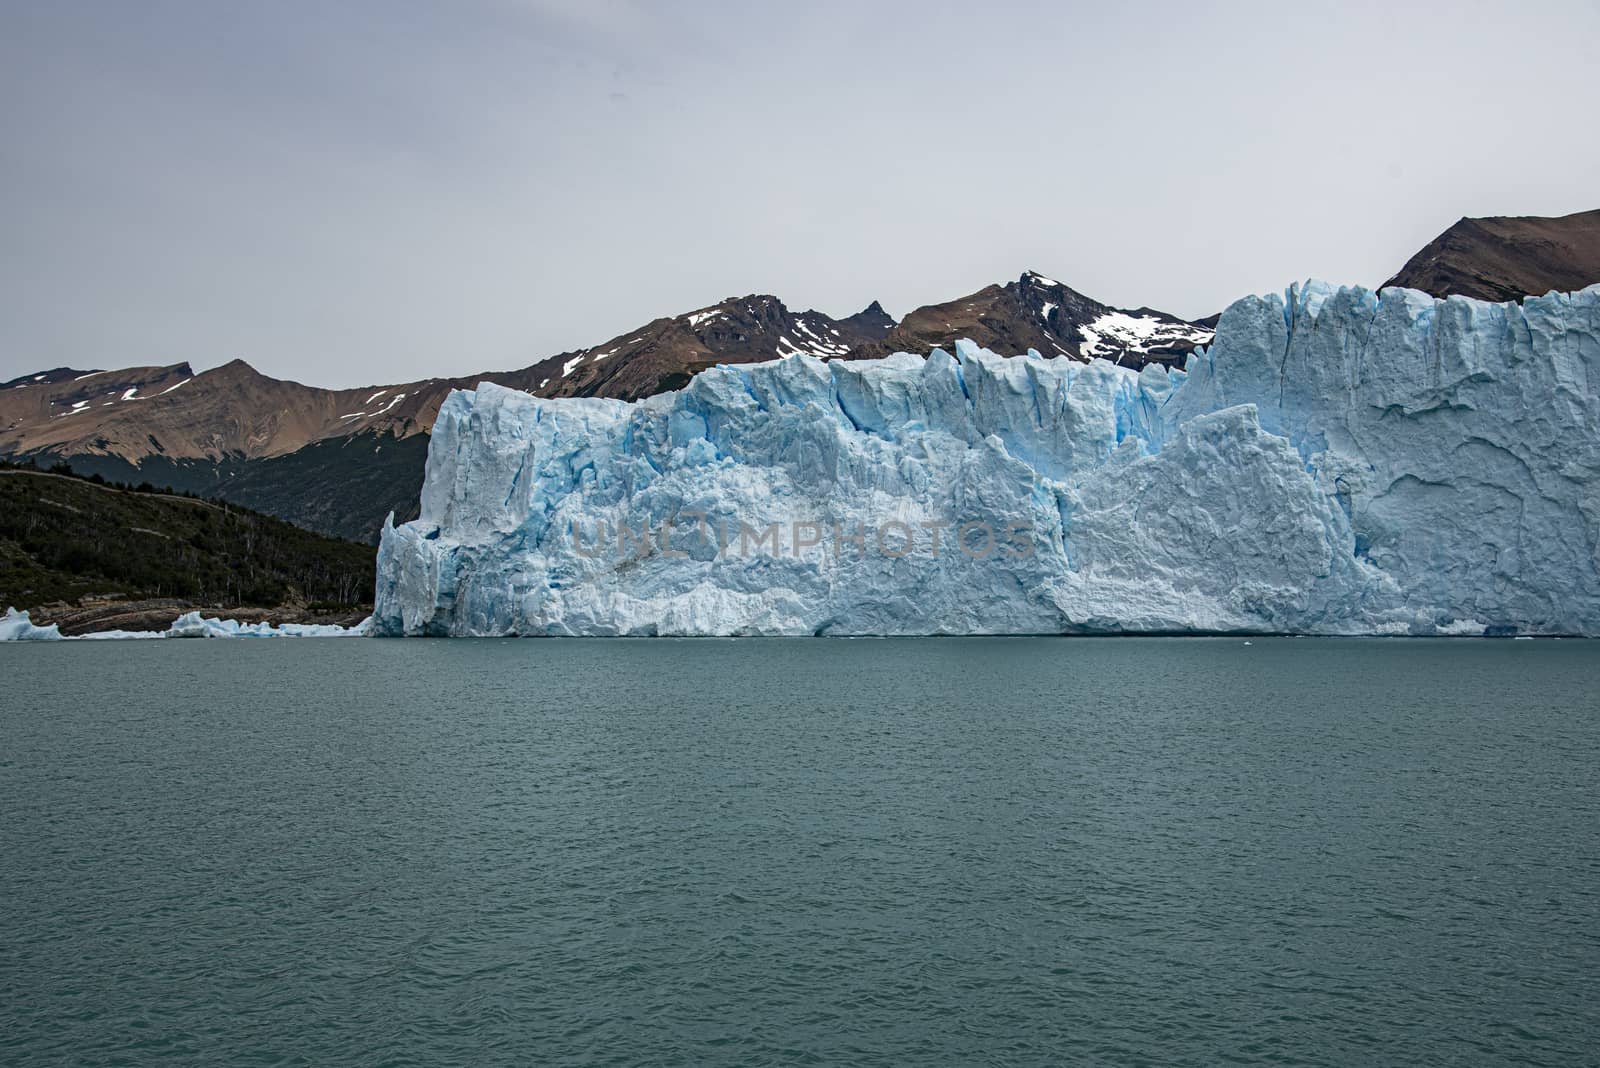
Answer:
[(1338, 462), (15, 626), (1462, 438)]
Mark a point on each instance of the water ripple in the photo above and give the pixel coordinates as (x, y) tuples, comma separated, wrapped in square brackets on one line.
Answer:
[(1007, 852)]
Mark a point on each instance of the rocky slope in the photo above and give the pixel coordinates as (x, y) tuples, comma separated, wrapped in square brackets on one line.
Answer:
[(1039, 313), (338, 461), (665, 353), (342, 486), (235, 411), (229, 411), (1508, 257)]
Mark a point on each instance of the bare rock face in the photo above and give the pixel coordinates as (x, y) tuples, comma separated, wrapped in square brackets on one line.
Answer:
[(338, 461), (175, 414), (1039, 313), (234, 411), (1508, 258), (666, 353)]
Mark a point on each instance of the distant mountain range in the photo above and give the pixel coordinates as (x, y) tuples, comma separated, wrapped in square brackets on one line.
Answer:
[(337, 461), (664, 354)]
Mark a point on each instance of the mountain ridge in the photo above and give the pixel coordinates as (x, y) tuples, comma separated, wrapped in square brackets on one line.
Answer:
[(339, 460), (1039, 313), (1507, 257)]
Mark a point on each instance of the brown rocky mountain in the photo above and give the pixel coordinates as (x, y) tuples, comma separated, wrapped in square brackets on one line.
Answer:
[(234, 410), (664, 354), (1039, 313), (1508, 257), (339, 460), (331, 460)]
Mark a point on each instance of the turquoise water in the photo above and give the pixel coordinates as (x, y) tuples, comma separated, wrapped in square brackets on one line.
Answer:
[(928, 852)]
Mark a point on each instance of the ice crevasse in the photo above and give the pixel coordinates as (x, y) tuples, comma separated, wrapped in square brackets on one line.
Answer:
[(1338, 462)]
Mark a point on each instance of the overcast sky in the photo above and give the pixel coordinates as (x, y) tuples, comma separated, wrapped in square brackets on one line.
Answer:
[(354, 191)]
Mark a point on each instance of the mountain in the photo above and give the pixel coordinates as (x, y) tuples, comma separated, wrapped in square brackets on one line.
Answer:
[(664, 354), (125, 553), (338, 461), (1338, 462), (1036, 312), (1508, 258), (232, 410), (341, 486)]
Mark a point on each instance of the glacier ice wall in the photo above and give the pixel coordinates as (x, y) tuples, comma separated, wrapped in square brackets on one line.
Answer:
[(1338, 461)]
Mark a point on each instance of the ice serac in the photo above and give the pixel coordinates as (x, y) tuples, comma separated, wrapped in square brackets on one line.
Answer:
[(1338, 461)]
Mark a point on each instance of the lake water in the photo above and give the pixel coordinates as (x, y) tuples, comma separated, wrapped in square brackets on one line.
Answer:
[(920, 852)]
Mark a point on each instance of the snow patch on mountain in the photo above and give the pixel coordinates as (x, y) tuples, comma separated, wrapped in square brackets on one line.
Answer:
[(1115, 333)]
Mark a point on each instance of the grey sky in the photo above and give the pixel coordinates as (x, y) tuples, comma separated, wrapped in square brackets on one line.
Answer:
[(378, 190)]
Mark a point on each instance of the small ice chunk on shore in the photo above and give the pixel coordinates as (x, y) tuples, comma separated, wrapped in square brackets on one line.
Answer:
[(16, 626)]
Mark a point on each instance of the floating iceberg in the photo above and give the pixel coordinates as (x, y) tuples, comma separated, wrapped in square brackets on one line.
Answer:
[(193, 625), (16, 626), (1338, 462)]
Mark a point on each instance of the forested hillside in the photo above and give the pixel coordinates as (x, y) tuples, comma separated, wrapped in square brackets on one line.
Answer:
[(63, 538)]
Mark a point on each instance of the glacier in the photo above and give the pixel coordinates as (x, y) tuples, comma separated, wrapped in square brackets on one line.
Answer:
[(1338, 461)]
